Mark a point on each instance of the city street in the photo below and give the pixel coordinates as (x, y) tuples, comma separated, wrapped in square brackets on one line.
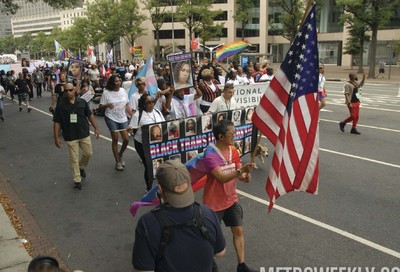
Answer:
[(353, 221)]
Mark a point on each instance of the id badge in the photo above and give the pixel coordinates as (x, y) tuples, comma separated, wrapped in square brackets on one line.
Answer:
[(73, 118)]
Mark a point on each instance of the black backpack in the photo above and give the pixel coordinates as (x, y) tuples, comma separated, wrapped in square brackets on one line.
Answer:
[(167, 228)]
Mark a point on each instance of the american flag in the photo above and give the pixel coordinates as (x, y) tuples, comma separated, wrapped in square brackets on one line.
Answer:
[(288, 116)]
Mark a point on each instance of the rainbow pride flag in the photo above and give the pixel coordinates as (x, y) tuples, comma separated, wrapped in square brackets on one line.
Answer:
[(231, 49)]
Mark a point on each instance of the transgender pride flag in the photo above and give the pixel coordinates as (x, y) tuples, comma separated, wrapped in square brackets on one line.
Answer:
[(151, 82)]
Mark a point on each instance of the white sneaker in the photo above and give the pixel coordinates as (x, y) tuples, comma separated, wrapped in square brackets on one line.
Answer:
[(119, 167)]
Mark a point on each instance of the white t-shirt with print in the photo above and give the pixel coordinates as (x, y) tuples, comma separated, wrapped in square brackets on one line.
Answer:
[(181, 108), (119, 100), (134, 103), (147, 118)]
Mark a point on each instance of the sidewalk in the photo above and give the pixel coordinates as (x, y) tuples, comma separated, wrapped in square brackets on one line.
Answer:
[(341, 73), (13, 256)]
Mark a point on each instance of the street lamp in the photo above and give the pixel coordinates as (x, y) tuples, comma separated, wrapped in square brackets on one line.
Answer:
[(211, 49), (173, 30)]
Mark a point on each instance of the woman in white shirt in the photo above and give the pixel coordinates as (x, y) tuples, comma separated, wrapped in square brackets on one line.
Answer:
[(146, 115), (115, 100)]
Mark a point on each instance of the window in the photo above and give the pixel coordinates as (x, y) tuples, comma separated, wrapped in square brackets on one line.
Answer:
[(222, 17), (248, 32), (167, 34)]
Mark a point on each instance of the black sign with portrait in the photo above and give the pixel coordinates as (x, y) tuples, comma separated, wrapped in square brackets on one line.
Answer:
[(181, 70), (185, 138)]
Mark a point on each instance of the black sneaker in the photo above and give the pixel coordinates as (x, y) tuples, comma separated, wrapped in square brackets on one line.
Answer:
[(29, 109), (83, 173), (20, 108), (77, 185), (341, 126), (355, 131), (244, 268), (2, 118)]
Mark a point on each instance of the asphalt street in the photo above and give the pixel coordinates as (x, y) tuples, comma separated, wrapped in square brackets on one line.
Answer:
[(353, 222)]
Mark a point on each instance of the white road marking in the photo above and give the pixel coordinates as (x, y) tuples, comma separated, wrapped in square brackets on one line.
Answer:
[(366, 126), (325, 226)]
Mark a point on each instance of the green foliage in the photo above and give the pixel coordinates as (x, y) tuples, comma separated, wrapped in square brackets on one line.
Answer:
[(7, 45), (10, 7), (374, 14), (195, 14), (242, 13), (291, 18), (158, 14)]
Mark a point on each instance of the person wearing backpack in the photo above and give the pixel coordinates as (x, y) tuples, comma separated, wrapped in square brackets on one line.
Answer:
[(147, 114), (180, 235)]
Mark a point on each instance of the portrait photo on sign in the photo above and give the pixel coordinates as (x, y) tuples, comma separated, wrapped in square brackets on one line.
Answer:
[(236, 117), (191, 154), (182, 76), (173, 130), (249, 114), (190, 127), (75, 70), (221, 116), (175, 157), (25, 62), (206, 123), (155, 133), (239, 146), (156, 164), (247, 144)]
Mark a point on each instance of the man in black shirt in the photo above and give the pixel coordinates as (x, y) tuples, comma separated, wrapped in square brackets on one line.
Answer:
[(71, 116)]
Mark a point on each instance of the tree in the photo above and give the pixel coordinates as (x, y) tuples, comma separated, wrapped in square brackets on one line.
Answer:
[(10, 7), (158, 15), (78, 40), (194, 14), (374, 13), (128, 11), (355, 45), (7, 45), (23, 43), (291, 19), (242, 14), (104, 23), (37, 43)]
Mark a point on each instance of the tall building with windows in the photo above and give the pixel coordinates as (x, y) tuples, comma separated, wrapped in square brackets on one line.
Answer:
[(40, 17), (263, 32), (5, 23)]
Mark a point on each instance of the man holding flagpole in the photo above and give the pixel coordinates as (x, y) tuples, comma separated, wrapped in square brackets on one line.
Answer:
[(222, 165), (288, 116)]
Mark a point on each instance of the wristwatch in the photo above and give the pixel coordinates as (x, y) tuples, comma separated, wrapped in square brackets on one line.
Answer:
[(238, 172)]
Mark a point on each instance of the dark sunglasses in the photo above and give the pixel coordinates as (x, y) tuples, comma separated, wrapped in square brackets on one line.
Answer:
[(68, 90), (143, 84)]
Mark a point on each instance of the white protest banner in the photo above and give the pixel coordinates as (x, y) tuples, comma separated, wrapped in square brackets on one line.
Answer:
[(250, 95)]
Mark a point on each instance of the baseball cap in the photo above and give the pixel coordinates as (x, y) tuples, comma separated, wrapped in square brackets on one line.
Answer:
[(175, 181), (131, 68)]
